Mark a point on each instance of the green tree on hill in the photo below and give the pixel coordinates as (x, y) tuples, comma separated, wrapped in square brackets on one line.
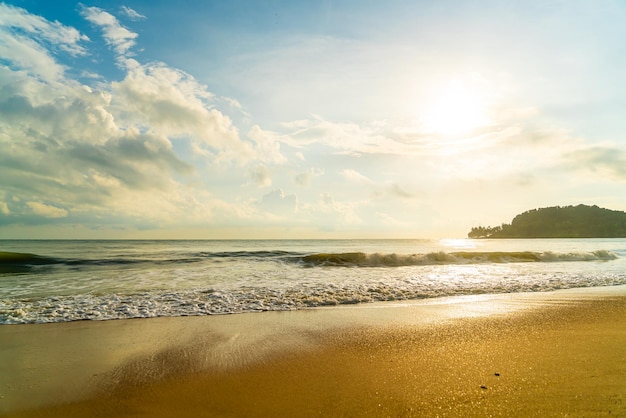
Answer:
[(580, 221)]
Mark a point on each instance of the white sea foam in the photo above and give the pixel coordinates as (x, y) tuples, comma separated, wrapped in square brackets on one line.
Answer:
[(255, 299), (140, 280)]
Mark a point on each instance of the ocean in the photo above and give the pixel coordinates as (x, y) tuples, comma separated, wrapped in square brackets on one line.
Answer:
[(68, 280)]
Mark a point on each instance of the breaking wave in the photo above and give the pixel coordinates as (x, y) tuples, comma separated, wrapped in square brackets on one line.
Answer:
[(11, 262), (359, 259), (103, 285), (250, 299)]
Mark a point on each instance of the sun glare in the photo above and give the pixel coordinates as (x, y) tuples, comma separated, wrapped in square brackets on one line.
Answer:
[(458, 109)]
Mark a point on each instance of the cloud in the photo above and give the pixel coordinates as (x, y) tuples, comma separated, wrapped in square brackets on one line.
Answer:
[(279, 204), (29, 42), (261, 176), (512, 127), (343, 136), (389, 220), (4, 208), (397, 191), (355, 176), (47, 211), (303, 179), (402, 137), (63, 111), (115, 35), (600, 160), (267, 145), (61, 133), (380, 190), (329, 214), (131, 13), (174, 103), (136, 160), (129, 152), (16, 21)]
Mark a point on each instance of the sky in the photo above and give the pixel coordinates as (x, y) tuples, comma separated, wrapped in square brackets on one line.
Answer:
[(297, 119)]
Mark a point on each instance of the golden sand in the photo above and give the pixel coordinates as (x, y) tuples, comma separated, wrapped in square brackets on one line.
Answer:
[(514, 355)]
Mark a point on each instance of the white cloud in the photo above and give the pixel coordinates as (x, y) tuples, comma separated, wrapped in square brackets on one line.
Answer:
[(267, 145), (261, 176), (4, 208), (28, 41), (116, 153), (234, 103), (389, 220), (303, 179), (279, 204), (29, 55), (174, 103), (16, 20), (131, 13), (373, 137), (396, 191), (330, 214), (115, 35), (600, 160), (47, 211), (355, 176)]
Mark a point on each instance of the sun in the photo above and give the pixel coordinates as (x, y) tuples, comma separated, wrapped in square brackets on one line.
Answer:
[(457, 109)]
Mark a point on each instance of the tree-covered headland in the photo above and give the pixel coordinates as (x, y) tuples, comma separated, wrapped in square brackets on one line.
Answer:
[(580, 221)]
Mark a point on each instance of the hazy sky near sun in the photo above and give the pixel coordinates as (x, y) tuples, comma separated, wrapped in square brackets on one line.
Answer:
[(304, 119)]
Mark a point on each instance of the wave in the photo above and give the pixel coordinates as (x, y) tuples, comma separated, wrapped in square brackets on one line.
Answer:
[(13, 262), (360, 259), (22, 262), (247, 254), (24, 258)]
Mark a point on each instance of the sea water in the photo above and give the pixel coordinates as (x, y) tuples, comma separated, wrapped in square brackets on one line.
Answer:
[(62, 280)]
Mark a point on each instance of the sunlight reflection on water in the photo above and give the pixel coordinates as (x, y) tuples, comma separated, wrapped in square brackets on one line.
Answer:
[(461, 243)]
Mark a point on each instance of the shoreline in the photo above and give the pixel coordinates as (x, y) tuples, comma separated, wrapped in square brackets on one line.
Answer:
[(557, 352)]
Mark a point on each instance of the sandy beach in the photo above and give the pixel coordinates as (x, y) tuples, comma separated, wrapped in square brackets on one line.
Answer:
[(557, 353)]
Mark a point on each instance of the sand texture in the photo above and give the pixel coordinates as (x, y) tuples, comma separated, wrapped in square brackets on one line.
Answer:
[(556, 354)]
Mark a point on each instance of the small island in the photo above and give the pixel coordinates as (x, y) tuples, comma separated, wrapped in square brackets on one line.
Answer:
[(580, 221)]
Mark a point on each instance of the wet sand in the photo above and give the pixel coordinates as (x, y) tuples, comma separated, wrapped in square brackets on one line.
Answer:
[(542, 354)]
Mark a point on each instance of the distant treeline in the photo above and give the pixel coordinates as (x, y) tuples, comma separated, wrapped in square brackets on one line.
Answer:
[(580, 221)]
